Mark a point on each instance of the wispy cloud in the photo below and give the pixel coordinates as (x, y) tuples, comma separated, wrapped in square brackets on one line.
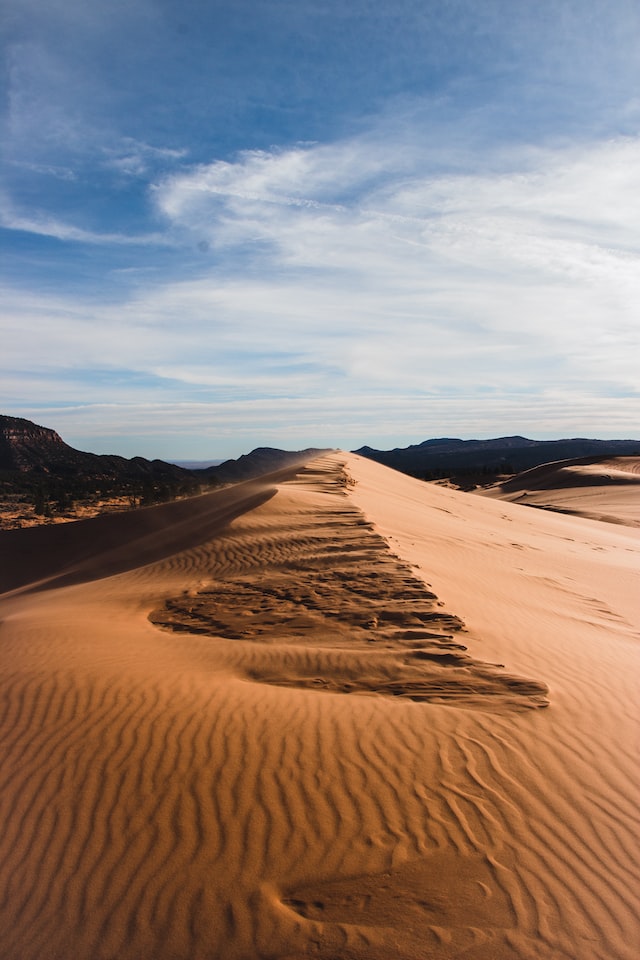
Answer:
[(449, 302), (44, 225), (451, 246), (136, 159), (541, 257), (177, 428)]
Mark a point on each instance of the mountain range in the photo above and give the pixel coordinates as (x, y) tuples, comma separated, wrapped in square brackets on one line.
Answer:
[(460, 459), (37, 465)]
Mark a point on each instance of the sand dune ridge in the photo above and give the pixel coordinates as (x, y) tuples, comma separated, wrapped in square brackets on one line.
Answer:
[(180, 789)]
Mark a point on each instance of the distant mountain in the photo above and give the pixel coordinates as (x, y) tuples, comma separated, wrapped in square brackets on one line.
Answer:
[(446, 457), (260, 461), (27, 448), (196, 464), (38, 468)]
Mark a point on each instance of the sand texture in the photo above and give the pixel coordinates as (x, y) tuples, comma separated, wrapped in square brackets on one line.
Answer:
[(332, 713), (601, 489)]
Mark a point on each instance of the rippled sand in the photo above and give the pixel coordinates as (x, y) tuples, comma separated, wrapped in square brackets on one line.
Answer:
[(336, 714)]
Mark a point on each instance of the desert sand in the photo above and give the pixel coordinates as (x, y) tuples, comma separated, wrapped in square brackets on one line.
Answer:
[(333, 713), (606, 490)]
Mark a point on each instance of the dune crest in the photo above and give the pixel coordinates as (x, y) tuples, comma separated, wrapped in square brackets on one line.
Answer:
[(354, 617), (176, 785)]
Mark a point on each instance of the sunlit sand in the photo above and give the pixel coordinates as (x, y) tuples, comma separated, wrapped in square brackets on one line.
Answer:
[(335, 713)]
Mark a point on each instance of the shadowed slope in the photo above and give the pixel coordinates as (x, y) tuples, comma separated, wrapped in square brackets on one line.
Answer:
[(583, 472), (62, 555)]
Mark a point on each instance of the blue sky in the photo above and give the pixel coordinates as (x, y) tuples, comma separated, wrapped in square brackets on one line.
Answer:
[(229, 224)]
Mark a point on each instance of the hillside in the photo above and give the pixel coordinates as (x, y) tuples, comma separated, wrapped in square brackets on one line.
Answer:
[(440, 458), (28, 448), (42, 478)]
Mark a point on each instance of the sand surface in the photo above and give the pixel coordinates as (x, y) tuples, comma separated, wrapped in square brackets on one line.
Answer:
[(603, 489), (333, 714)]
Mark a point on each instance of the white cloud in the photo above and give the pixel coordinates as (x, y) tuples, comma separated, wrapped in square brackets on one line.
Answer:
[(136, 159), (42, 224), (569, 213), (545, 255), (352, 292), (229, 428)]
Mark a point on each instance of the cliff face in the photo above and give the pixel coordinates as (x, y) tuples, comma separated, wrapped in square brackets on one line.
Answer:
[(25, 445), (31, 453), (43, 479), (27, 448)]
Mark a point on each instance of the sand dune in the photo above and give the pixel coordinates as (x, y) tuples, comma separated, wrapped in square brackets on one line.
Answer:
[(600, 489), (271, 722)]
